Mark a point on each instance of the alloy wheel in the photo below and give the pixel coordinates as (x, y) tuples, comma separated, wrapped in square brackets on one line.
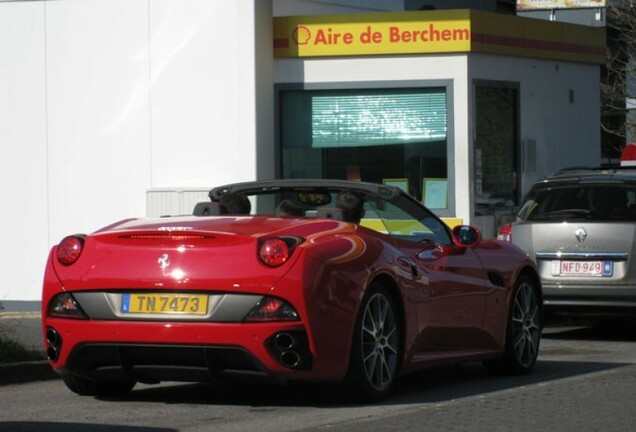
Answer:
[(379, 342), (526, 325)]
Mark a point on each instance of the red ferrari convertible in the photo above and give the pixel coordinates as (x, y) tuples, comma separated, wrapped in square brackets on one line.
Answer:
[(287, 280)]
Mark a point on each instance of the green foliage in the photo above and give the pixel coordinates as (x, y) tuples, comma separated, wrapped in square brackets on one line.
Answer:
[(12, 350)]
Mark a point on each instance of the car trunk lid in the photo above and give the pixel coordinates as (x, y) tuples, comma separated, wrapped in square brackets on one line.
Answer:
[(218, 253), (579, 252)]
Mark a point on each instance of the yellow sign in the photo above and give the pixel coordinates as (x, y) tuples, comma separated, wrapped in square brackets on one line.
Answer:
[(372, 34), (439, 31), (452, 222)]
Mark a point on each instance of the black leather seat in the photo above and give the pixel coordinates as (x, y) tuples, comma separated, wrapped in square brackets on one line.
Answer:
[(208, 208)]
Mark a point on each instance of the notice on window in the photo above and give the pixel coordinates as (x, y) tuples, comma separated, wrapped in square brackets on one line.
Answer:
[(402, 183), (435, 193)]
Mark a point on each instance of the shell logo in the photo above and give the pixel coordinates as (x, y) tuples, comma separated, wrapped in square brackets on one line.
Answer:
[(301, 35)]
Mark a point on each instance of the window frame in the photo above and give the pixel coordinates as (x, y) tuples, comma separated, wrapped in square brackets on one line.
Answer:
[(447, 85), (517, 156)]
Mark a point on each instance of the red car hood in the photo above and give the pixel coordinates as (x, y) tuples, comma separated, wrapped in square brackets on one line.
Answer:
[(218, 253)]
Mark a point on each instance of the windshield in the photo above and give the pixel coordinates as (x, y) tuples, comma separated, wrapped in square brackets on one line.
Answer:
[(593, 202), (391, 212), (406, 220)]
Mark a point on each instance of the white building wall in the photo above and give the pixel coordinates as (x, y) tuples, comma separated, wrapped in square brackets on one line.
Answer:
[(23, 152), (98, 139), (203, 82), (102, 102), (312, 7)]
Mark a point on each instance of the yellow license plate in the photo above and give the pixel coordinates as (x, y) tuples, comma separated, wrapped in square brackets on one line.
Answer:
[(152, 303)]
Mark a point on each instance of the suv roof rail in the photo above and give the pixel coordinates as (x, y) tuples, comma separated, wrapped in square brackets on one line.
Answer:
[(608, 167), (575, 168)]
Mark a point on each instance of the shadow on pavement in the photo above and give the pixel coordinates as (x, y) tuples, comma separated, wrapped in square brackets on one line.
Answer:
[(28, 426), (592, 331), (431, 386)]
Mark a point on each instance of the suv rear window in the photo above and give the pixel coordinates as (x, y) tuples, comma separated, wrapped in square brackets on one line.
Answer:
[(597, 202)]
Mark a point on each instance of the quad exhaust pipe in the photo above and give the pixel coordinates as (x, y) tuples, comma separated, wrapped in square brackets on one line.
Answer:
[(291, 350), (284, 341), (291, 359), (52, 354), (54, 343)]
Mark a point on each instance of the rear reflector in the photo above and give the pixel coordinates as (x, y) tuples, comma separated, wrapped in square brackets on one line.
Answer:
[(272, 309), (64, 305)]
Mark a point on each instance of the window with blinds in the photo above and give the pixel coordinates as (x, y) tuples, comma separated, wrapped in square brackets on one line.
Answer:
[(390, 135), (378, 118), (323, 119)]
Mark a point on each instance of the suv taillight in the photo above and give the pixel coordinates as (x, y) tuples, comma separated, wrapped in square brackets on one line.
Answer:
[(505, 233)]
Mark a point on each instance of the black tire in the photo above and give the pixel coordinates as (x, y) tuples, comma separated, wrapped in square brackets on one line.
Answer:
[(86, 387), (523, 332), (376, 347)]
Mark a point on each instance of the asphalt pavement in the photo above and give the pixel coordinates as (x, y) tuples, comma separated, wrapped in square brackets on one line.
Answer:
[(584, 382), (26, 328)]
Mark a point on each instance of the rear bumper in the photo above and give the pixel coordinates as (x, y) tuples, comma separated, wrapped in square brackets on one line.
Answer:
[(592, 312), (152, 352), (590, 301), (155, 363)]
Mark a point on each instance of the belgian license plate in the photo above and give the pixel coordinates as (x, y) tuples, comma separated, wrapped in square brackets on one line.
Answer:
[(583, 268), (153, 303)]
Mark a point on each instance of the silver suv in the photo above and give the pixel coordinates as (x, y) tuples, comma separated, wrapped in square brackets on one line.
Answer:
[(579, 225)]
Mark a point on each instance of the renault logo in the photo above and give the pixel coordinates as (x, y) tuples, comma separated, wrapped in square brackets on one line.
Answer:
[(580, 234)]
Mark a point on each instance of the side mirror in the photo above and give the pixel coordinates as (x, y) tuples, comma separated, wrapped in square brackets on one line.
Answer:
[(466, 236)]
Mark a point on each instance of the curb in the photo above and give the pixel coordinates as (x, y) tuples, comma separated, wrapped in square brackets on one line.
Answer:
[(24, 372), (19, 314)]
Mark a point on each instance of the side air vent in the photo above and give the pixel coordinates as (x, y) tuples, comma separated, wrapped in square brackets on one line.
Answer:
[(496, 279)]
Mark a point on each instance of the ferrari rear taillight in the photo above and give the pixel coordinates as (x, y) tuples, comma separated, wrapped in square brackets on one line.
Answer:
[(275, 252), (70, 249), (272, 309), (64, 306), (505, 233)]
